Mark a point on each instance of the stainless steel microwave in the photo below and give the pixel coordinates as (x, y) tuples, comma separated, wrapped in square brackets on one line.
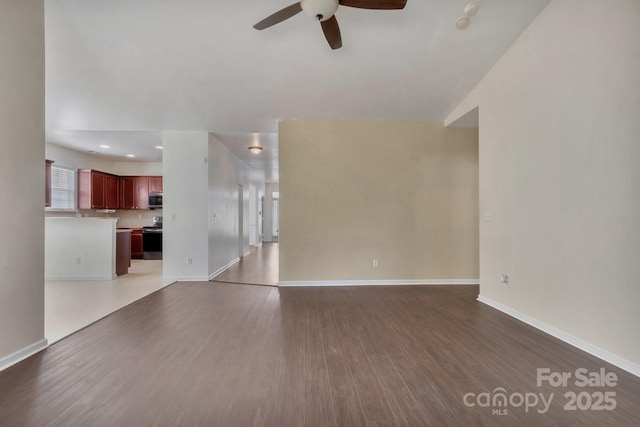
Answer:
[(155, 200)]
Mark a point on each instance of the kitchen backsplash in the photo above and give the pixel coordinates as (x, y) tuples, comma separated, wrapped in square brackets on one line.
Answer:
[(126, 218)]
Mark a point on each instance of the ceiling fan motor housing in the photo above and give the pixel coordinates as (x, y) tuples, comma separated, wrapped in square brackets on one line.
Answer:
[(319, 9)]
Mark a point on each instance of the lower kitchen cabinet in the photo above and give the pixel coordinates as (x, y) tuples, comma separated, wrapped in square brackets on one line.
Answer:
[(123, 251), (136, 243)]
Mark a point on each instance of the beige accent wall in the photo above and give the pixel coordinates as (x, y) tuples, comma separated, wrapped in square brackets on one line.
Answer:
[(22, 176), (405, 193), (560, 170)]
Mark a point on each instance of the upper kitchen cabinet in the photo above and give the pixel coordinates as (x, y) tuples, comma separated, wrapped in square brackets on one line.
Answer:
[(134, 191), (155, 184), (127, 192), (142, 192), (111, 192), (97, 190)]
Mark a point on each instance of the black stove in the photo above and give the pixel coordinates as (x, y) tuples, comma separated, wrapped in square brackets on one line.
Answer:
[(152, 240)]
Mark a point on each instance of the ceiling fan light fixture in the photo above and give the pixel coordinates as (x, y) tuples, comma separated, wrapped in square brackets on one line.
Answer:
[(256, 149), (462, 23), (471, 8), (322, 10)]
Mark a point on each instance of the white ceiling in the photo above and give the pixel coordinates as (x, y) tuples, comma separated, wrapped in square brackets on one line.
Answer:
[(124, 70)]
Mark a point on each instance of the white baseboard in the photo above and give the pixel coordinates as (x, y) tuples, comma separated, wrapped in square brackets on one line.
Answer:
[(246, 253), (226, 267), (173, 279), (81, 278), (288, 283), (22, 354), (605, 355)]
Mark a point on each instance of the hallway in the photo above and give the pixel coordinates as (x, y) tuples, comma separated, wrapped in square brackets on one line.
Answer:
[(258, 268)]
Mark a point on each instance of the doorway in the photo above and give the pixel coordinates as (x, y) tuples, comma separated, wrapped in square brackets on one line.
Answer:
[(240, 221)]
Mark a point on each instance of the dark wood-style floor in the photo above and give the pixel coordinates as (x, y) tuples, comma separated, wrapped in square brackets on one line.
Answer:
[(216, 354), (258, 268)]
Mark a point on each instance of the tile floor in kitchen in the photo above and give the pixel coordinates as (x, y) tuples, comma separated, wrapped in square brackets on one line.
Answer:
[(72, 305)]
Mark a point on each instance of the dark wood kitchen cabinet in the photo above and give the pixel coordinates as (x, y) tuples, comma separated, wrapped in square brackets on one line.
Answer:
[(97, 190), (142, 192), (123, 251), (111, 192), (136, 243), (100, 190), (134, 190), (155, 184), (127, 186)]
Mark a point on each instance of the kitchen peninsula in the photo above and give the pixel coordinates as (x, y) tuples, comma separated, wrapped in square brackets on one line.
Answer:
[(85, 249)]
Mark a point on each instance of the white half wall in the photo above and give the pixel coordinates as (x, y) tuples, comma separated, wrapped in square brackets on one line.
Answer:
[(22, 92), (559, 171), (80, 249)]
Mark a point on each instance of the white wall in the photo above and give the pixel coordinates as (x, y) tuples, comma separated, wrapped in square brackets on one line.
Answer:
[(201, 179), (80, 249), (559, 170), (226, 173), (185, 173), (22, 173), (137, 168), (63, 156)]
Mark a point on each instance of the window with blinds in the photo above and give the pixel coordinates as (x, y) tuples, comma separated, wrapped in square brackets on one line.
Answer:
[(63, 188)]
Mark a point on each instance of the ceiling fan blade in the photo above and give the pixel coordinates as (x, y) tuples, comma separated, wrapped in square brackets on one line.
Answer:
[(279, 16), (375, 4), (332, 32)]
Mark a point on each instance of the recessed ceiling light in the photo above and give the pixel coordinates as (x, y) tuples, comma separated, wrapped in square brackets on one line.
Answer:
[(255, 149), (159, 147), (131, 155), (104, 146)]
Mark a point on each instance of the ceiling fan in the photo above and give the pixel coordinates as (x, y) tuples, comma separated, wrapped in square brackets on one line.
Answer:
[(324, 11)]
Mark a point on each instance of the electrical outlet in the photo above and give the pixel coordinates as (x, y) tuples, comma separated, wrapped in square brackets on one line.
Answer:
[(376, 263), (504, 279), (78, 260), (189, 260)]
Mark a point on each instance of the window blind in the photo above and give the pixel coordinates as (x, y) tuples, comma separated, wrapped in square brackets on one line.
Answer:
[(63, 188)]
